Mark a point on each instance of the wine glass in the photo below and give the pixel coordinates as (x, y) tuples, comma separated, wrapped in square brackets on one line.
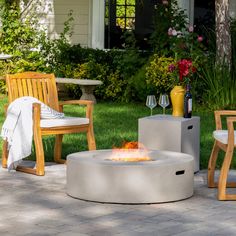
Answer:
[(164, 102), (151, 102)]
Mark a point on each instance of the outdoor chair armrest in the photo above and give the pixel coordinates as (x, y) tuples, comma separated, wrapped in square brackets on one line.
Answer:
[(5, 109), (36, 115), (89, 104), (79, 102), (220, 113), (230, 127)]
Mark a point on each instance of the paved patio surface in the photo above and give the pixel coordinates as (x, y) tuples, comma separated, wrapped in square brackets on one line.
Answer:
[(32, 205)]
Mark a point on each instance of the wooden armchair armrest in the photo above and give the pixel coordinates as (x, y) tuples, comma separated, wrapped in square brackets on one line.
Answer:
[(230, 127), (5, 109), (89, 104), (220, 113), (79, 102), (36, 114)]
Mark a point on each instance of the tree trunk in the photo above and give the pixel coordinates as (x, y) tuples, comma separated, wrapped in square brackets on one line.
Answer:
[(223, 37)]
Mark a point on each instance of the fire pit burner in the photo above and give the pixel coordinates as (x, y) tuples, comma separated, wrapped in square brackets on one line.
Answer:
[(92, 176)]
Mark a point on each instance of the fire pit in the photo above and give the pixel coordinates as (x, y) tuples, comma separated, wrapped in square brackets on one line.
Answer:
[(94, 176)]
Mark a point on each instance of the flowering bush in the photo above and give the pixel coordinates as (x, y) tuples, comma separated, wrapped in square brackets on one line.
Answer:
[(183, 71), (166, 14), (158, 73), (185, 43)]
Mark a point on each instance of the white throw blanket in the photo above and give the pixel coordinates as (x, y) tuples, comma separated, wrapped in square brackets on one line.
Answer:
[(18, 128)]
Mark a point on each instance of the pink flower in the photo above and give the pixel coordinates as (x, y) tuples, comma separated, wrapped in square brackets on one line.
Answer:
[(165, 2), (170, 31), (199, 39), (171, 68), (190, 29), (174, 32)]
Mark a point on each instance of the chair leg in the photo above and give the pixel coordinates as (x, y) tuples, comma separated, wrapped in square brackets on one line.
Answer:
[(40, 163), (212, 166), (57, 149), (4, 154), (223, 177), (91, 139)]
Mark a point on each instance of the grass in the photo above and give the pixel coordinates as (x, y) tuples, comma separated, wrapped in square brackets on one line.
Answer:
[(115, 123)]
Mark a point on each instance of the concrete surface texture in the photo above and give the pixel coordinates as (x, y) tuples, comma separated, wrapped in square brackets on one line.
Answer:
[(32, 205)]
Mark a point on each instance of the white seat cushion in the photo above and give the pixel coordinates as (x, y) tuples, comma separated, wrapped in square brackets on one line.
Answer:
[(49, 113), (222, 136), (66, 121)]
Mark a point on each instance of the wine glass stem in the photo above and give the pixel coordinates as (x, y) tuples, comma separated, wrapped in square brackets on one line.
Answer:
[(151, 111), (164, 110)]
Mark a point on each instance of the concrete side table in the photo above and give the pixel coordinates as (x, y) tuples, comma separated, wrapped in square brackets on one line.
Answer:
[(87, 86), (166, 132)]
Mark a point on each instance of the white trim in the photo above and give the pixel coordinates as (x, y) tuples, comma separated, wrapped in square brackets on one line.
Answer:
[(90, 23), (232, 9), (188, 5), (191, 12), (97, 23)]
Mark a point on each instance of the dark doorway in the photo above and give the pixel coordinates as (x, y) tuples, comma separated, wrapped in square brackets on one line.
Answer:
[(204, 14)]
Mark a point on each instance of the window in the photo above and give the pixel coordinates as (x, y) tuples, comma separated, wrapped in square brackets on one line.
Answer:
[(119, 17), (125, 14), (128, 15)]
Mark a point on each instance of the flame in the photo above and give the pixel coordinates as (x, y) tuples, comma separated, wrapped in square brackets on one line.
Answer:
[(130, 151), (130, 145)]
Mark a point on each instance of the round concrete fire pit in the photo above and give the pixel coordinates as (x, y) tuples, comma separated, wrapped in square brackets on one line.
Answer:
[(92, 176)]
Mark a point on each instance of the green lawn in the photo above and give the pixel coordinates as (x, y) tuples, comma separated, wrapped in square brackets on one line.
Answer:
[(117, 122)]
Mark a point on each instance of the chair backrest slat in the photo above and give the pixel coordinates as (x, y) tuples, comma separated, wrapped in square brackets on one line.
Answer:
[(40, 92), (39, 85), (15, 92), (35, 90), (25, 89), (20, 90), (30, 88), (45, 91)]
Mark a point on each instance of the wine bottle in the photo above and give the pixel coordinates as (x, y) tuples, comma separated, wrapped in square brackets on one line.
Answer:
[(188, 103)]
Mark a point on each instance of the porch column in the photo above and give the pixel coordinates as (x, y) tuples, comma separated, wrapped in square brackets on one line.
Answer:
[(188, 5), (232, 8), (97, 23)]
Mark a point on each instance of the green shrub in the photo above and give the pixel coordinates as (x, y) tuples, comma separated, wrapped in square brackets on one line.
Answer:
[(18, 36), (158, 74), (115, 68), (137, 88), (220, 87), (115, 87)]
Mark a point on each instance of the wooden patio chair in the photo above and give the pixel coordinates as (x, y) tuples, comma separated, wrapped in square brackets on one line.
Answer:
[(224, 140), (43, 87)]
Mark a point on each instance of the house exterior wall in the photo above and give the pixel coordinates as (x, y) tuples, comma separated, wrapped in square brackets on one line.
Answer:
[(88, 24), (80, 14), (53, 14)]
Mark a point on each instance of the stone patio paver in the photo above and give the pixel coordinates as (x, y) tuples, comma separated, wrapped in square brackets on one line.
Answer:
[(32, 205)]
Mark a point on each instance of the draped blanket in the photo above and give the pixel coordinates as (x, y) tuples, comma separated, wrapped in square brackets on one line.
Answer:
[(17, 129)]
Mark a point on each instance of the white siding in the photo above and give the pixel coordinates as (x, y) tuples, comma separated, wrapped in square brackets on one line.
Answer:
[(59, 15), (54, 16)]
